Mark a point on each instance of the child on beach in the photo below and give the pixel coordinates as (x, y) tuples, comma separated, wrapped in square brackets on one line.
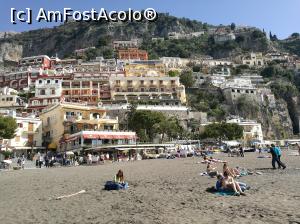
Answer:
[(120, 180), (119, 177)]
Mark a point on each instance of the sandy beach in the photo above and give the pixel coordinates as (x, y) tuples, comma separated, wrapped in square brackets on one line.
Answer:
[(161, 191)]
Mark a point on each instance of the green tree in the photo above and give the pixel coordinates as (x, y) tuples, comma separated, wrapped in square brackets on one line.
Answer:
[(108, 53), (232, 26), (295, 35), (247, 107), (8, 127), (223, 131), (147, 124), (103, 41), (173, 73), (196, 68), (187, 79)]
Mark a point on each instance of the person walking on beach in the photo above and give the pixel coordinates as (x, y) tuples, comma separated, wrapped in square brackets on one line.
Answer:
[(23, 162), (279, 153), (274, 152), (241, 149), (259, 149), (41, 159)]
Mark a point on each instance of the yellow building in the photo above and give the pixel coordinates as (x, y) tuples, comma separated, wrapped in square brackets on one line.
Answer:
[(145, 68), (166, 90), (64, 119)]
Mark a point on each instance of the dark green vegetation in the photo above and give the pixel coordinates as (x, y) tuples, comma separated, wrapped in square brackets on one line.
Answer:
[(149, 124), (222, 131), (8, 127), (208, 100)]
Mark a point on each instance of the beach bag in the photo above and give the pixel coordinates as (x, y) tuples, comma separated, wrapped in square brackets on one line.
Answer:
[(111, 185)]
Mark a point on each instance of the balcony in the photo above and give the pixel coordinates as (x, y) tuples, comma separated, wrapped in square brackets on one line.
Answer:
[(31, 131)]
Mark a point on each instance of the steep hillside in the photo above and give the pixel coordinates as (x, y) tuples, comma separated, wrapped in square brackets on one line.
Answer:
[(64, 39), (291, 45)]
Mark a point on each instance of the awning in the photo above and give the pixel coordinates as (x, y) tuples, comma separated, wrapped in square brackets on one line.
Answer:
[(52, 145), (108, 136)]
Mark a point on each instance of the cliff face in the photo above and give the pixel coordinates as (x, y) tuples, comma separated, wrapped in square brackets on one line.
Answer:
[(275, 120), (10, 54)]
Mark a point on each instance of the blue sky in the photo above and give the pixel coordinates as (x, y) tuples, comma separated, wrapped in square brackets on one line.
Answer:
[(282, 17)]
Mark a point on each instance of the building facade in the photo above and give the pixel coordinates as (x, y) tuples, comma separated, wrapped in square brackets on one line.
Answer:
[(165, 89), (64, 119), (132, 53)]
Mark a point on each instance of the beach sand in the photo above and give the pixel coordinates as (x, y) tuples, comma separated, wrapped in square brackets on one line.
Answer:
[(161, 191)]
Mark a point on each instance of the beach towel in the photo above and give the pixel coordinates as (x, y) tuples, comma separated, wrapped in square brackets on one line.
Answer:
[(293, 154), (111, 185), (263, 157), (225, 193)]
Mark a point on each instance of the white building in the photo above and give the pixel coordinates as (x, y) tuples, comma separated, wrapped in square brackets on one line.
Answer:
[(222, 37), (252, 129), (133, 43), (28, 136), (9, 98), (255, 78), (176, 35), (214, 62), (174, 62), (217, 81), (254, 59), (200, 78), (277, 56), (48, 90), (235, 88), (224, 71)]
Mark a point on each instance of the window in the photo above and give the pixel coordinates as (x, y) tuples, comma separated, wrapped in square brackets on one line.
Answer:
[(252, 91), (142, 82), (40, 81), (233, 90), (48, 81), (161, 82), (247, 91), (238, 91), (42, 92), (142, 90), (20, 125), (53, 91), (56, 81)]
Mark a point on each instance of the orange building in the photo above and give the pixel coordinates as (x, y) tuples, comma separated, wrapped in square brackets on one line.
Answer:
[(132, 53)]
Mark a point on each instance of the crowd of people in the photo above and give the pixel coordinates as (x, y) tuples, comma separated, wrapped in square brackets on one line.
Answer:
[(64, 159)]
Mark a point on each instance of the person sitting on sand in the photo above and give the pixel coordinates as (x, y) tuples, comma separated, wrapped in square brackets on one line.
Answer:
[(211, 171), (231, 171), (228, 183), (120, 180), (119, 177), (211, 159)]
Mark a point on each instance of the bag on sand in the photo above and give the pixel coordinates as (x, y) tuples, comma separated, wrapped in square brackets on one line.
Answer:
[(111, 185)]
